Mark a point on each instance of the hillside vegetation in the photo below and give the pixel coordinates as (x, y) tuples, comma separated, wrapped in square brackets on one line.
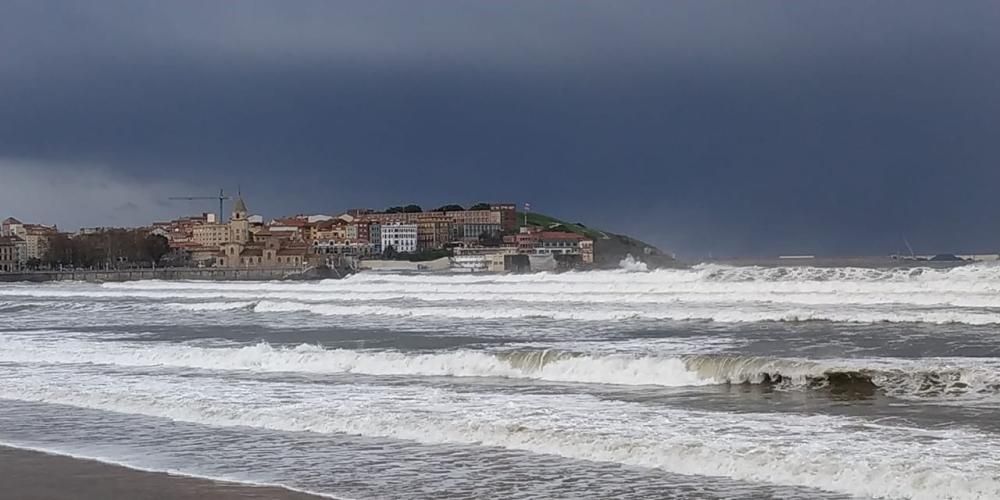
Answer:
[(609, 248), (536, 219)]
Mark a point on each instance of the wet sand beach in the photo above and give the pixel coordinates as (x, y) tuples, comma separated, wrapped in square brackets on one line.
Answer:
[(32, 475)]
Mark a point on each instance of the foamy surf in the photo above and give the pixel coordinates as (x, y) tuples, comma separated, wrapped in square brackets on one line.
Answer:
[(965, 295), (748, 382), (779, 449), (957, 378)]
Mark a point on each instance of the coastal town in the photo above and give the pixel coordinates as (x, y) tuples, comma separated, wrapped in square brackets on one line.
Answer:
[(484, 237)]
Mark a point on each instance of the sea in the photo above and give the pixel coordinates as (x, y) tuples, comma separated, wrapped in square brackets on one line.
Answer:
[(714, 382)]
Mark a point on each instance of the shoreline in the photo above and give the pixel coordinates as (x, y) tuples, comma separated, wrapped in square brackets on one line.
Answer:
[(30, 474), (290, 274), (176, 274)]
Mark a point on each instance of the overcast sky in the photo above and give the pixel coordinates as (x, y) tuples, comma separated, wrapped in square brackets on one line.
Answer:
[(716, 127)]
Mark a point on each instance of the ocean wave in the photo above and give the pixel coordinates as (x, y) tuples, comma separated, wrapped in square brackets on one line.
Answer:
[(12, 307), (974, 300), (729, 283), (704, 273), (826, 452), (212, 306), (963, 295), (928, 378), (676, 312)]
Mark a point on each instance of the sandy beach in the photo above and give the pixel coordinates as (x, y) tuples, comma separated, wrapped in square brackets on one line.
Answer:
[(31, 475)]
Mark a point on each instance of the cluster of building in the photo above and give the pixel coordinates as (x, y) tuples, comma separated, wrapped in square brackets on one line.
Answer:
[(485, 237), (243, 241), (22, 243)]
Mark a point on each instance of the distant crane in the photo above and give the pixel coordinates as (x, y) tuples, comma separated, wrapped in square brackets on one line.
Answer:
[(222, 197)]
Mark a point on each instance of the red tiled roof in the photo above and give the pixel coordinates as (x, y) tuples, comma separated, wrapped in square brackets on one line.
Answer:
[(293, 222), (556, 235)]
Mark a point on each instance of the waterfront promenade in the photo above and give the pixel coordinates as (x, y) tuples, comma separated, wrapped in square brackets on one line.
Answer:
[(181, 273)]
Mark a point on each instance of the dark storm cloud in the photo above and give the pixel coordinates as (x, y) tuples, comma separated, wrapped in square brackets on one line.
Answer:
[(705, 126)]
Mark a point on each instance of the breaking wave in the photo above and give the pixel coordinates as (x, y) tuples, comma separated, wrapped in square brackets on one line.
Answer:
[(928, 378), (963, 295), (12, 307), (213, 306), (631, 264), (679, 312), (806, 450)]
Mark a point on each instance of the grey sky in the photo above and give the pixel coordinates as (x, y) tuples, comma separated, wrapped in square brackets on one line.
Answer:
[(724, 127)]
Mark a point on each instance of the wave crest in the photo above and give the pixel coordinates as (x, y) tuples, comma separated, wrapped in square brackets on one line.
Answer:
[(958, 377)]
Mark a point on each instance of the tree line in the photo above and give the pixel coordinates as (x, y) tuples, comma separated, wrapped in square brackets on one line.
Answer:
[(111, 248), (445, 208)]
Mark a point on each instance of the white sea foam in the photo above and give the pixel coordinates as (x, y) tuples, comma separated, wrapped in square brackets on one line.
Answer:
[(964, 295), (631, 264), (197, 382), (212, 306), (840, 454), (676, 312), (941, 378)]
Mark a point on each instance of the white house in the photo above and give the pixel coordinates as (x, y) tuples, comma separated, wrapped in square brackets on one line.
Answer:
[(401, 237)]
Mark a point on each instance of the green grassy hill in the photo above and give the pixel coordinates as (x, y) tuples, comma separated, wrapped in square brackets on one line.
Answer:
[(536, 219), (609, 248)]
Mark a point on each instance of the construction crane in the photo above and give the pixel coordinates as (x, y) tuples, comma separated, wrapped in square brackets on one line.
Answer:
[(222, 197)]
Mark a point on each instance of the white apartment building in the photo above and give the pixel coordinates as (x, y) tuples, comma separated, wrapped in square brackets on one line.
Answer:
[(8, 254), (210, 235), (401, 237), (35, 236)]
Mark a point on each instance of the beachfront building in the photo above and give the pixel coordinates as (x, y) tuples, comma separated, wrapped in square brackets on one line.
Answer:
[(292, 228), (35, 236), (9, 260), (375, 236), (470, 232), (439, 228), (282, 243), (559, 243), (239, 229), (587, 251), (331, 230), (333, 249), (433, 231), (210, 235), (180, 230), (481, 259), (6, 226), (401, 237), (534, 241), (501, 214), (21, 251), (471, 224), (267, 254)]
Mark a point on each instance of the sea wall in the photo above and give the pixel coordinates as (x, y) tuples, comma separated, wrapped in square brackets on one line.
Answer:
[(208, 273), (442, 264)]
